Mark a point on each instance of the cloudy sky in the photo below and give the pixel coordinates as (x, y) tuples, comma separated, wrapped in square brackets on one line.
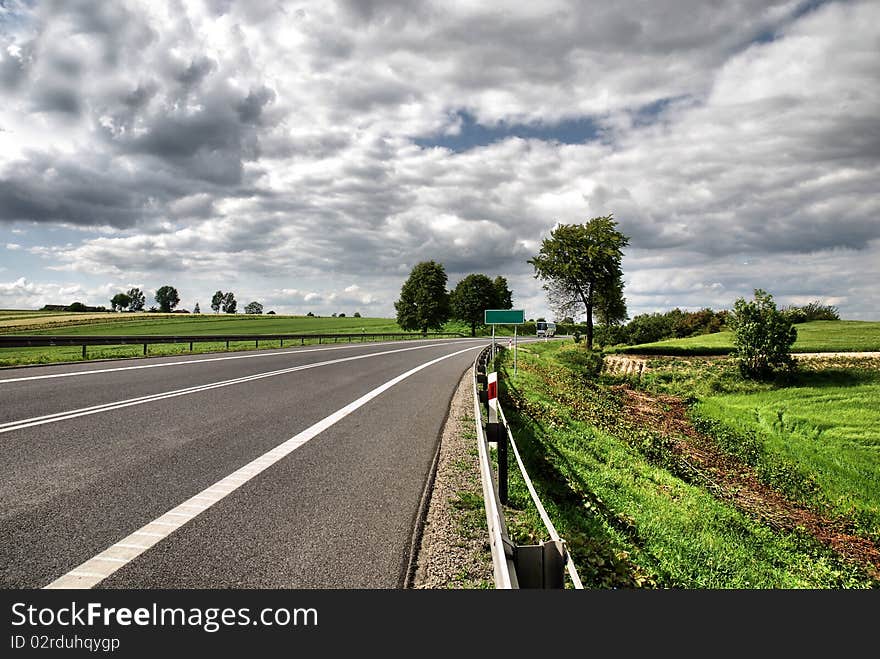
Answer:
[(308, 155)]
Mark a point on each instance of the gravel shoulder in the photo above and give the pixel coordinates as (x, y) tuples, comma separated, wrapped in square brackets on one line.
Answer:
[(454, 551)]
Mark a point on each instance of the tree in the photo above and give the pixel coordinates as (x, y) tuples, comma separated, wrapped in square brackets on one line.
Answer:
[(120, 301), (196, 308), (424, 301), (471, 297), (503, 295), (167, 298), (217, 301), (253, 308), (763, 336), (611, 305), (229, 304), (357, 314), (270, 313), (342, 315), (138, 299), (580, 263)]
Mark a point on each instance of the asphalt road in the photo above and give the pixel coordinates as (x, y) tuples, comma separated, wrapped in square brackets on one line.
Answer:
[(94, 456)]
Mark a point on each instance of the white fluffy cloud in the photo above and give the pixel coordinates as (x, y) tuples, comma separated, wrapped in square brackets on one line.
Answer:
[(283, 150)]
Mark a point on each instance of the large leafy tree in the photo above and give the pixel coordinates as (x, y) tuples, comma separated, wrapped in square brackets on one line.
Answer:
[(120, 301), (253, 308), (763, 336), (580, 265), (424, 300), (471, 297), (138, 299), (167, 298)]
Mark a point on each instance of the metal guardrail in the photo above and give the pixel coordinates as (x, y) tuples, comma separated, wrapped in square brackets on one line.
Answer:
[(45, 340), (503, 566), (514, 566)]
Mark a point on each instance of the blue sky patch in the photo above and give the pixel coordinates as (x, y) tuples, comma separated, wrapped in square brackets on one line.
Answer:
[(473, 134), (773, 33)]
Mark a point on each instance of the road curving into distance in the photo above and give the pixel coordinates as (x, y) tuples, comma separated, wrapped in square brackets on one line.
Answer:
[(300, 468)]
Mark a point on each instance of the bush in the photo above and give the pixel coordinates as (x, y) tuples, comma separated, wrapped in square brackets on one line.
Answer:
[(812, 311), (610, 335), (582, 361), (763, 337), (674, 324)]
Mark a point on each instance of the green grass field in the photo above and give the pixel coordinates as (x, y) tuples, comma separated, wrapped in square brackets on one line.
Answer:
[(127, 324), (148, 323), (631, 517), (816, 336), (826, 424)]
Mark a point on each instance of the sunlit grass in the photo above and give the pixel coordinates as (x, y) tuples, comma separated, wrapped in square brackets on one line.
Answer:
[(631, 522), (816, 336)]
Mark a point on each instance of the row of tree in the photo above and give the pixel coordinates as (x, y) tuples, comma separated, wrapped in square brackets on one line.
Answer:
[(426, 304), (134, 299), (168, 298), (226, 303)]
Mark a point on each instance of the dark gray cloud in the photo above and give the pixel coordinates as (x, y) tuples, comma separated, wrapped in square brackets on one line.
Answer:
[(53, 98), (192, 74), (55, 190)]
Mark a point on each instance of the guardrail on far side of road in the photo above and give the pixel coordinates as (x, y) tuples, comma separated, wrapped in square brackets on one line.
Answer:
[(44, 340)]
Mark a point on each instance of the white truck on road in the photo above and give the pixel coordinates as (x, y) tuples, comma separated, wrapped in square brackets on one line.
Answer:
[(545, 329)]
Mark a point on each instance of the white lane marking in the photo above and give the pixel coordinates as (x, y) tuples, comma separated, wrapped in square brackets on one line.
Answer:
[(300, 351), (9, 426), (150, 534), (85, 575), (93, 571)]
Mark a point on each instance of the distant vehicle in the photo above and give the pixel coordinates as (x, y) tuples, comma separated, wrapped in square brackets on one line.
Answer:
[(545, 329)]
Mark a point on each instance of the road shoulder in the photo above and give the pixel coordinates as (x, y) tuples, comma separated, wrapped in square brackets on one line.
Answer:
[(454, 551)]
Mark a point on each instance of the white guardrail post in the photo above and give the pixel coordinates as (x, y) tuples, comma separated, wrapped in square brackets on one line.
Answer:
[(495, 434)]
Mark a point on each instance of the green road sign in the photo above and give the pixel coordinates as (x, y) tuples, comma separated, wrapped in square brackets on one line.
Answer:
[(504, 316)]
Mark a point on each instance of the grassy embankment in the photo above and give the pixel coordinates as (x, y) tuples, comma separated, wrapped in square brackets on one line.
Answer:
[(72, 324), (650, 491), (816, 336)]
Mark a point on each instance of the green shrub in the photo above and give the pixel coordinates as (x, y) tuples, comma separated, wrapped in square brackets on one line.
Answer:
[(810, 312), (763, 337), (582, 361)]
